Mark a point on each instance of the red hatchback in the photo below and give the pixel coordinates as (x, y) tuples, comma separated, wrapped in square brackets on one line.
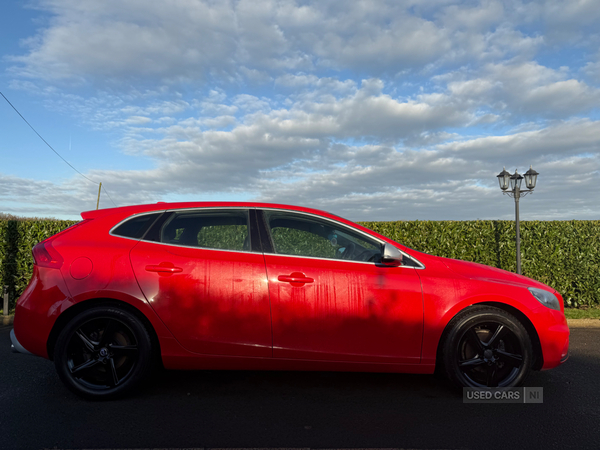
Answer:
[(272, 287)]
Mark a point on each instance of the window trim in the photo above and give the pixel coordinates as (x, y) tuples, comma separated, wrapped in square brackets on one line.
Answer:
[(266, 230), (260, 236), (256, 244)]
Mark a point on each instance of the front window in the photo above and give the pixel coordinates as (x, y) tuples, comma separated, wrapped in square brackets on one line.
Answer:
[(302, 235)]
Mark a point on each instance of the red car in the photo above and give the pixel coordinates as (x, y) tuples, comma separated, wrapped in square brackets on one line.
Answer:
[(272, 287)]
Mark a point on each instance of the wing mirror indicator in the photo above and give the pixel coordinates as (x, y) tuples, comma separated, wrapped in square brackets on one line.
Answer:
[(391, 256)]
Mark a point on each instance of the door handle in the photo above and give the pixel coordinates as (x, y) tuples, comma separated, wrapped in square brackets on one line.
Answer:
[(163, 268), (295, 279)]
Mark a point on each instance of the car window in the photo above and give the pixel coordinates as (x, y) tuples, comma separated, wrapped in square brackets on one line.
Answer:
[(136, 226), (302, 235), (224, 230)]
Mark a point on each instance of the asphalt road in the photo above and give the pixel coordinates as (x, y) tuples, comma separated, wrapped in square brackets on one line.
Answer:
[(300, 409)]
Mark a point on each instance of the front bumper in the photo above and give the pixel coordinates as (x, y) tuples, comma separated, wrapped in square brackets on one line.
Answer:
[(16, 346), (553, 332)]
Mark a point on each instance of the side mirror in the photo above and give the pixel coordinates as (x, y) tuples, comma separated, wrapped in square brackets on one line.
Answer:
[(391, 255)]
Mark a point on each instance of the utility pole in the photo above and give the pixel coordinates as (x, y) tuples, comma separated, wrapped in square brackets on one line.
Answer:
[(99, 189)]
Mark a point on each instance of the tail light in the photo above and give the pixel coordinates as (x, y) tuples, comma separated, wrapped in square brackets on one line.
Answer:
[(45, 255)]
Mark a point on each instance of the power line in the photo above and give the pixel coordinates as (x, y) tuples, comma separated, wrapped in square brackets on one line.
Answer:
[(45, 142)]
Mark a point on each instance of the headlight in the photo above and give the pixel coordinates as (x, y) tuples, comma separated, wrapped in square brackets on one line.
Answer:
[(545, 298)]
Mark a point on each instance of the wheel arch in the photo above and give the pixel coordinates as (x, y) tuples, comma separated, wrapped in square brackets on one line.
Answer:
[(535, 340), (67, 315)]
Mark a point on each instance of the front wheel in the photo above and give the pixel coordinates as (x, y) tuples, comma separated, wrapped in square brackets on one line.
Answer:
[(487, 347), (103, 353)]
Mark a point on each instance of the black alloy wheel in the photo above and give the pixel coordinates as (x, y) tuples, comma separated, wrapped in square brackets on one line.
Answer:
[(103, 353), (487, 347)]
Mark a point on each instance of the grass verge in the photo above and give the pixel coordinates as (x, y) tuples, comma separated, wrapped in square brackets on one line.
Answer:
[(582, 313)]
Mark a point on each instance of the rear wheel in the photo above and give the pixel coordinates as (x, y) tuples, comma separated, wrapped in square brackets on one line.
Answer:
[(487, 347), (103, 353)]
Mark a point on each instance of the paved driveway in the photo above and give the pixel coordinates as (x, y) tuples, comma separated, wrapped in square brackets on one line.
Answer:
[(298, 409)]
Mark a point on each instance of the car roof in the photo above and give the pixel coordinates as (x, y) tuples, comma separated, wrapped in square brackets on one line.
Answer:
[(161, 206)]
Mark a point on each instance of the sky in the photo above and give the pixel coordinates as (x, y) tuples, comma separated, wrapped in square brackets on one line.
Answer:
[(372, 110)]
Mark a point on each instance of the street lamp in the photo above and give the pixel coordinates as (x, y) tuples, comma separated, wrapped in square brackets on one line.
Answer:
[(514, 180)]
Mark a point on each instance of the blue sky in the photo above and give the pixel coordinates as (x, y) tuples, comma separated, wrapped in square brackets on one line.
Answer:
[(373, 110)]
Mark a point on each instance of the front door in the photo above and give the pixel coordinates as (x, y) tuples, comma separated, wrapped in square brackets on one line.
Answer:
[(330, 298)]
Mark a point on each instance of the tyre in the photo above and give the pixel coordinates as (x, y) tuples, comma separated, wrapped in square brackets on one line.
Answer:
[(103, 353), (487, 347)]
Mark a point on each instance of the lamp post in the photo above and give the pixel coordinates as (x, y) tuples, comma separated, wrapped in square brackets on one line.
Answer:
[(505, 178)]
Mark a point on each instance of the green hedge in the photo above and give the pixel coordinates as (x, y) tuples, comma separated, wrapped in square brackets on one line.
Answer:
[(17, 238), (561, 254), (564, 255)]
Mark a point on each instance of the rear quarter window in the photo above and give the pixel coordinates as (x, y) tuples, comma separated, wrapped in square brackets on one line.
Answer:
[(136, 226)]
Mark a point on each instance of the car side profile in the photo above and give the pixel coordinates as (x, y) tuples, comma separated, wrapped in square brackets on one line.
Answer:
[(256, 286)]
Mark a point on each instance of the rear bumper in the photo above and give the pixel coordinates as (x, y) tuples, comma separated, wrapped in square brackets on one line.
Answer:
[(16, 346), (38, 308)]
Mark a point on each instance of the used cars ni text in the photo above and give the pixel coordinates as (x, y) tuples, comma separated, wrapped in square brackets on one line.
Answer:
[(234, 286)]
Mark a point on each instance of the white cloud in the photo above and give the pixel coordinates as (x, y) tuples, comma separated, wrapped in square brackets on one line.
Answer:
[(561, 140), (592, 69), (250, 103), (472, 16), (117, 42), (138, 120), (570, 20), (524, 88)]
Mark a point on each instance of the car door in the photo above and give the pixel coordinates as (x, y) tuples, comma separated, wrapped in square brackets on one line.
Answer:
[(203, 275), (331, 300)]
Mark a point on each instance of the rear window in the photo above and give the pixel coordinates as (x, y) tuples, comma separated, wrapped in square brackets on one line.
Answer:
[(222, 230), (137, 226)]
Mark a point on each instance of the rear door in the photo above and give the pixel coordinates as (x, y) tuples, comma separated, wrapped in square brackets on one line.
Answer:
[(203, 274)]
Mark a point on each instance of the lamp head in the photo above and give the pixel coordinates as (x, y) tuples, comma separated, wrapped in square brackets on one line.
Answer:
[(531, 178), (515, 180), (503, 179)]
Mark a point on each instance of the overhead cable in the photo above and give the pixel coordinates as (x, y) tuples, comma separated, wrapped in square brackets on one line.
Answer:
[(51, 148)]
